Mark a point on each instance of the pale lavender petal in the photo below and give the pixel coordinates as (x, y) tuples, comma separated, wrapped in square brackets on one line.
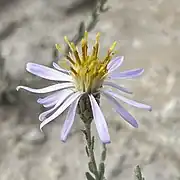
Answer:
[(126, 74), (53, 98), (115, 63), (61, 109), (49, 98), (48, 89), (100, 121), (55, 65), (43, 115), (107, 83), (50, 103), (129, 101), (47, 73), (69, 120), (121, 111), (57, 103)]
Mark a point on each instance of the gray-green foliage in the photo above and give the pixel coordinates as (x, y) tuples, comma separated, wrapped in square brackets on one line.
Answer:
[(138, 174)]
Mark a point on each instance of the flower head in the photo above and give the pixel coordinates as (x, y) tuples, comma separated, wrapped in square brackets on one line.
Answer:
[(87, 75), (88, 70)]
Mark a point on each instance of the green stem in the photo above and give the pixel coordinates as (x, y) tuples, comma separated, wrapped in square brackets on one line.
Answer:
[(90, 149)]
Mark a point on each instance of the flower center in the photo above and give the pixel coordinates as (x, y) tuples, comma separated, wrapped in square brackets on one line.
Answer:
[(88, 70)]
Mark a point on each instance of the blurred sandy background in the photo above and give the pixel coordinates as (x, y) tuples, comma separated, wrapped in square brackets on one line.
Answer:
[(148, 35)]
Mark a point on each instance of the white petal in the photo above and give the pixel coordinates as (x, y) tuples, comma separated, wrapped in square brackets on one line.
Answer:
[(47, 73), (117, 87), (48, 89), (133, 73), (129, 101), (115, 63), (55, 65), (53, 98), (69, 120), (61, 109), (120, 110), (50, 104), (100, 121), (50, 98), (59, 101)]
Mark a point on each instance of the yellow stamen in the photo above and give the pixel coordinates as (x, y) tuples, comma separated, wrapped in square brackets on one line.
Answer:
[(67, 41), (84, 49), (58, 47), (88, 70), (73, 49), (73, 71), (96, 46), (76, 54), (113, 46), (86, 35), (70, 60)]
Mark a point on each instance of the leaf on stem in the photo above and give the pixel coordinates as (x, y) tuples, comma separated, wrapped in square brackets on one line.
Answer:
[(87, 151), (92, 144), (89, 176), (91, 167), (103, 155), (138, 174), (85, 133), (101, 170)]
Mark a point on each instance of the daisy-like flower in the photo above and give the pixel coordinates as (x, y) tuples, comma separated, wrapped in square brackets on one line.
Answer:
[(88, 76)]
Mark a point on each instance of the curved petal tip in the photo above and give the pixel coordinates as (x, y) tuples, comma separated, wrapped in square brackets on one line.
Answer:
[(63, 140), (150, 108), (41, 129), (135, 125), (106, 142), (17, 88)]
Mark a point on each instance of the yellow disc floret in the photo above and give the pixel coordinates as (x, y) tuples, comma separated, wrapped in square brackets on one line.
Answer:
[(88, 70)]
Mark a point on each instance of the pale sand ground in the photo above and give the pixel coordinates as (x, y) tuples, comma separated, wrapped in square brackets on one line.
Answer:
[(148, 33)]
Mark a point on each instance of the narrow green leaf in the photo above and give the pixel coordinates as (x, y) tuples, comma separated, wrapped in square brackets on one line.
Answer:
[(92, 144), (138, 174), (87, 151), (101, 170), (85, 133), (89, 176), (103, 154), (91, 167)]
